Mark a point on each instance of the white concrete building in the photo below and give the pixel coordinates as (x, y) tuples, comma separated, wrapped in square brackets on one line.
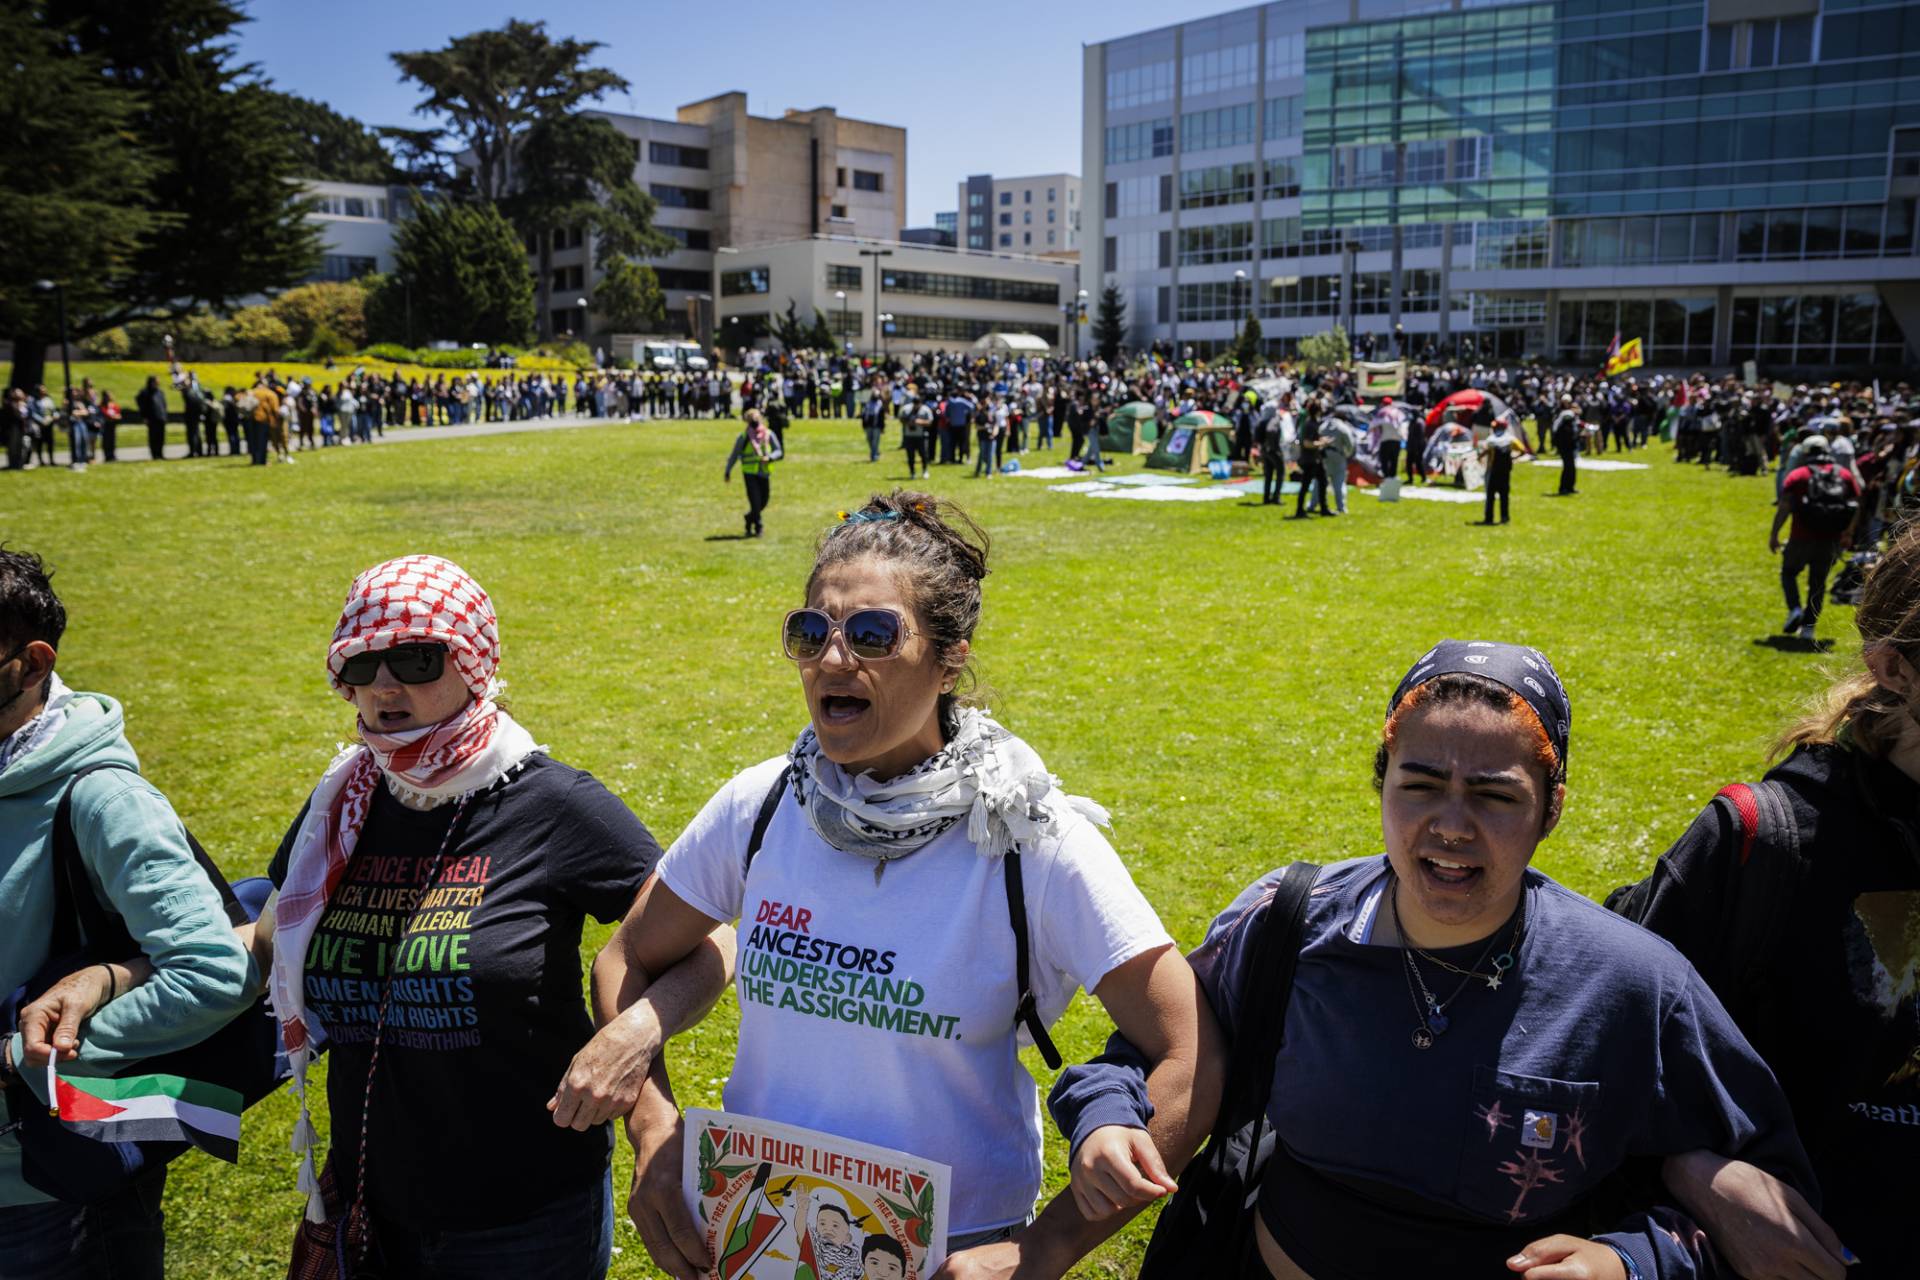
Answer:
[(882, 295), (1039, 215), (356, 222)]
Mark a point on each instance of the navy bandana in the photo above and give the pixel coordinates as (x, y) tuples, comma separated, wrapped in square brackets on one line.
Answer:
[(1524, 670)]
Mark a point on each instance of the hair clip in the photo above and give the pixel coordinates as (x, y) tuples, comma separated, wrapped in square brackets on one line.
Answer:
[(866, 517)]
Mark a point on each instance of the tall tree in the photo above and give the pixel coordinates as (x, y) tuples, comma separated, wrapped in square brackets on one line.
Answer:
[(1110, 323), (463, 270), (571, 168), (210, 220), (492, 86), (629, 299), (1246, 347), (68, 149), (329, 145)]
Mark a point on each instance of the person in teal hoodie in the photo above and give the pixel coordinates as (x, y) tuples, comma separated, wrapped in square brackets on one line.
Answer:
[(138, 861)]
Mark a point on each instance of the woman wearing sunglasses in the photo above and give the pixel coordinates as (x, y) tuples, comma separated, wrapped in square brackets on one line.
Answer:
[(426, 925), (922, 898)]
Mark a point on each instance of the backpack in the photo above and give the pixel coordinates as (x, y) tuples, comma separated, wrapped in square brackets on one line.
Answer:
[(1830, 503), (1207, 1228), (1026, 1010), (245, 1056)]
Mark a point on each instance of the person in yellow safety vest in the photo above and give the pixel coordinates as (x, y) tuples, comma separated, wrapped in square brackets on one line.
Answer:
[(756, 450)]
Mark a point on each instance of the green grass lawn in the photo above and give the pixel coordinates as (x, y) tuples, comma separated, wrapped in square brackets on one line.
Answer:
[(1213, 673)]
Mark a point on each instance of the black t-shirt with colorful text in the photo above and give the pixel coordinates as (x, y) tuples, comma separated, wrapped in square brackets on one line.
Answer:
[(486, 1009)]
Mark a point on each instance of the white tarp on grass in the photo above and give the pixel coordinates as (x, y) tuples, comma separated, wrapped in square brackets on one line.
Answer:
[(1593, 464), (1419, 493)]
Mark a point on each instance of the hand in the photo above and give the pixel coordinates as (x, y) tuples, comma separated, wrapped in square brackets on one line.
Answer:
[(604, 1078), (657, 1204), (987, 1262), (1762, 1227), (1773, 544), (51, 1024), (1117, 1168), (1568, 1258)]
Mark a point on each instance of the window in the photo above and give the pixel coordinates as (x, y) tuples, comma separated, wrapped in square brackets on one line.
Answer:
[(678, 278), (1006, 219), (1134, 197), (1221, 184), (975, 199), (1146, 140), (844, 322), (957, 329), (1216, 69), (1280, 238), (865, 180), (837, 210), (1027, 196), (1050, 214), (1283, 117), (938, 284), (1049, 237), (568, 277), (839, 277), (1772, 42), (678, 197), (1006, 240), (976, 220), (1282, 177), (1131, 251), (1140, 86), (689, 237), (745, 280), (1285, 297), (340, 267), (1215, 300), (1050, 191), (1517, 244), (1026, 237), (1224, 242), (674, 154), (1006, 197), (840, 176), (1286, 55), (1026, 217), (1220, 127)]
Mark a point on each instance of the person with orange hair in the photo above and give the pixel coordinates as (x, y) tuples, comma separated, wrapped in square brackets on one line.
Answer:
[(1458, 1066)]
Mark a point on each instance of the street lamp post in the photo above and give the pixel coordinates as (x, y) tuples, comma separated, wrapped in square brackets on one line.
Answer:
[(1079, 318), (845, 342), (59, 292), (876, 255), (1239, 284), (886, 323)]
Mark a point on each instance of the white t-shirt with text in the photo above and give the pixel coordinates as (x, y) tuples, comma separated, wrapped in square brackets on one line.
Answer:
[(885, 1012)]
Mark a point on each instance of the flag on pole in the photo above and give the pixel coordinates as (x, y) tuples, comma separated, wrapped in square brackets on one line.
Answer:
[(754, 1231), (1623, 358), (154, 1108)]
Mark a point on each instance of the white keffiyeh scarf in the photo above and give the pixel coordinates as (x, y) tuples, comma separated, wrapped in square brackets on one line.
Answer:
[(984, 775)]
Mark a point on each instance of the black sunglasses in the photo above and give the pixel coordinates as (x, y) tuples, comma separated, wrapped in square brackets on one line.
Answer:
[(410, 664), (871, 634)]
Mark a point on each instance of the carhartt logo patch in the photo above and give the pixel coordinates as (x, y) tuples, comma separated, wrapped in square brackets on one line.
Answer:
[(1537, 1129)]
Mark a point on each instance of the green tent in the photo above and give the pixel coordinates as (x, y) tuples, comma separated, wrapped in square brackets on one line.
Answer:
[(1133, 428), (1192, 442)]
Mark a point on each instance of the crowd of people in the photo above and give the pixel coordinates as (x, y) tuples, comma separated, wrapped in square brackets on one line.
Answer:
[(1432, 1060)]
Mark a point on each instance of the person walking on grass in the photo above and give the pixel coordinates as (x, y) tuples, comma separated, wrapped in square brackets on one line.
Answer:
[(1566, 442), (1822, 499), (1274, 431), (1313, 471), (755, 449), (873, 421), (916, 436), (152, 402)]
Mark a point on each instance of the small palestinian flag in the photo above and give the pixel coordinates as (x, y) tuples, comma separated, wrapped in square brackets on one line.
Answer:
[(760, 1223), (153, 1109)]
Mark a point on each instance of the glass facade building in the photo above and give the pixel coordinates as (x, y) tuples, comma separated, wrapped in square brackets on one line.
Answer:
[(1728, 180)]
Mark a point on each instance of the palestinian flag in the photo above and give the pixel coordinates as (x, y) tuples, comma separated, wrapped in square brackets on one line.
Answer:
[(152, 1109), (754, 1231)]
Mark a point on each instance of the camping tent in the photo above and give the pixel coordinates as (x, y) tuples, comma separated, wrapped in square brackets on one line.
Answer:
[(1132, 429), (1192, 442)]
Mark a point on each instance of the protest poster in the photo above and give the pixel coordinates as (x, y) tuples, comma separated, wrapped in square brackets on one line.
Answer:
[(1381, 378), (778, 1202)]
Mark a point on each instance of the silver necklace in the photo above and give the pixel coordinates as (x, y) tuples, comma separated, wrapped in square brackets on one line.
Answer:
[(1431, 1012)]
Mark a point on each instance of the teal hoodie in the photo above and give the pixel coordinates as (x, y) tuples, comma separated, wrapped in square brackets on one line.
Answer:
[(138, 860)]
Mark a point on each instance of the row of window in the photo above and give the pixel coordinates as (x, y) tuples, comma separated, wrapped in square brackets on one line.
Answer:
[(1794, 136), (1390, 164), (1026, 217), (337, 268), (960, 329), (351, 207), (1026, 239), (1006, 197), (1515, 243), (1220, 127), (1206, 71), (564, 278), (940, 284), (689, 237), (1614, 242), (1142, 140), (1774, 42), (675, 154), (682, 278), (672, 197), (746, 280), (844, 277), (1288, 297), (1230, 126), (1673, 330), (1815, 329)]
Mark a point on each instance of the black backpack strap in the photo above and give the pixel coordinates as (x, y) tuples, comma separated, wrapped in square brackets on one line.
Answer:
[(763, 820), (1263, 1003), (75, 903), (1771, 876), (1026, 1012)]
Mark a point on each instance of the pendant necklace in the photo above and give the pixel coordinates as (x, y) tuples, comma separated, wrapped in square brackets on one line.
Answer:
[(1432, 1012)]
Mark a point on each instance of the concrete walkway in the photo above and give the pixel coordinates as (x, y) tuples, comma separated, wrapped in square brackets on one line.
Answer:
[(132, 447)]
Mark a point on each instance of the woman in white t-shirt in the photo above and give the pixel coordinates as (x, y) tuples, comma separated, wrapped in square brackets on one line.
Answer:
[(879, 986)]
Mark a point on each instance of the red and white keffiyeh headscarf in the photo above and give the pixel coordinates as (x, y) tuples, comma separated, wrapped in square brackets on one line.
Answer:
[(414, 600)]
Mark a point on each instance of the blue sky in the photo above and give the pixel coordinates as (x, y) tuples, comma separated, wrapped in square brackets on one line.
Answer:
[(990, 86)]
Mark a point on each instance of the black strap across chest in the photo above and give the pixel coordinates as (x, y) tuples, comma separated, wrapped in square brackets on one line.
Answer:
[(1027, 1011)]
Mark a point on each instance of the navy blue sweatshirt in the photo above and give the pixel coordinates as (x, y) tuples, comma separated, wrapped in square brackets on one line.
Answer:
[(1544, 1107)]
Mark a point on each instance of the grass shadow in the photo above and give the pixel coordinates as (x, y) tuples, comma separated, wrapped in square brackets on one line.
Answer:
[(1794, 644)]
